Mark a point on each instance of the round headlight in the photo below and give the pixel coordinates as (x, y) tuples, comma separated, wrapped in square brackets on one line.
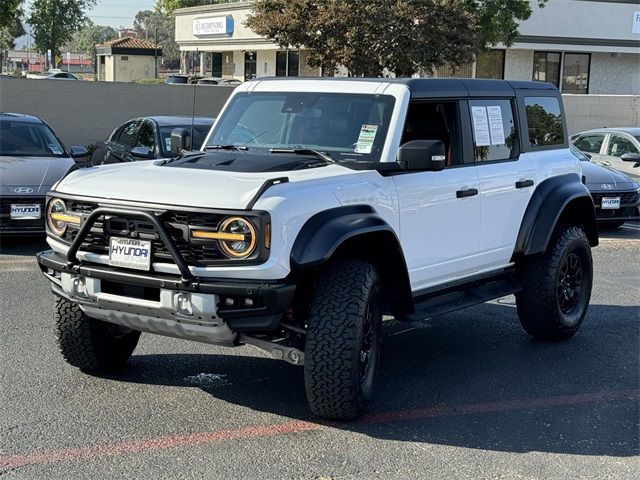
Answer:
[(246, 240), (58, 227)]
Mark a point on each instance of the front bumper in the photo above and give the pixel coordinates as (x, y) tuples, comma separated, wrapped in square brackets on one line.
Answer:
[(9, 226), (629, 206), (166, 305)]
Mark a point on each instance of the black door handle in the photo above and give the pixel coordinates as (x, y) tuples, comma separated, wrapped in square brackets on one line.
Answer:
[(524, 183), (470, 192)]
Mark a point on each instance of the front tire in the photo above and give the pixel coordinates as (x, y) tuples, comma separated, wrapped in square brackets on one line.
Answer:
[(90, 344), (342, 347), (556, 286)]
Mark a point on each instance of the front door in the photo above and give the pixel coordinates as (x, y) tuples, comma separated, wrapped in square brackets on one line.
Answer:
[(250, 65), (439, 211)]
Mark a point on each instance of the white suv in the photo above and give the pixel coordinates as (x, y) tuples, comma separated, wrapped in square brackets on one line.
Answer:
[(318, 206)]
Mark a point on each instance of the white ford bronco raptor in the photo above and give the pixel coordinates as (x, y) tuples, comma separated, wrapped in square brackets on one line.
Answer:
[(316, 206)]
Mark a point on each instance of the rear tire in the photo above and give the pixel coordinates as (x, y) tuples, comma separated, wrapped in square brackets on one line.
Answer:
[(556, 286), (90, 344), (342, 347)]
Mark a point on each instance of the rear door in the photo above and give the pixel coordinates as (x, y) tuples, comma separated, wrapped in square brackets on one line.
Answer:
[(507, 178)]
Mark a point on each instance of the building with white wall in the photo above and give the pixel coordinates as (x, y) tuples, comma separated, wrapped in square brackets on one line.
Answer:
[(126, 59), (582, 46)]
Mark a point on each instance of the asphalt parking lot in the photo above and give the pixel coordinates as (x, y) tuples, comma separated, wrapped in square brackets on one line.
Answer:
[(467, 395)]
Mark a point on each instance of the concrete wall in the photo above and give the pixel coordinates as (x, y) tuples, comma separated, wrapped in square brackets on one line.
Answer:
[(82, 113), (594, 111)]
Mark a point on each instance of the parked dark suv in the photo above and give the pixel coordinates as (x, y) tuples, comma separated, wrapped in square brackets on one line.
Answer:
[(146, 138)]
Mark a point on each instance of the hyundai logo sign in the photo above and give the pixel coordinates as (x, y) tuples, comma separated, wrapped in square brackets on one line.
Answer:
[(23, 190), (606, 186)]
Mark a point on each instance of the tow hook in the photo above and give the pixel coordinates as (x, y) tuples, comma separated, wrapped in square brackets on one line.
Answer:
[(277, 351)]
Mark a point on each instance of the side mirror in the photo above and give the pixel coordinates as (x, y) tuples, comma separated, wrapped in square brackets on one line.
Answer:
[(630, 157), (422, 155), (78, 152), (141, 152), (180, 140)]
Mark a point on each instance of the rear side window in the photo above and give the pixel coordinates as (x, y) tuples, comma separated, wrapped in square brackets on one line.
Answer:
[(129, 134), (544, 121), (589, 143), (494, 131)]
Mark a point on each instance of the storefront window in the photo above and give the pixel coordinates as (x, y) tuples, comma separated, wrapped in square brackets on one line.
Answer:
[(490, 64), (575, 73), (546, 67), (287, 63), (216, 64)]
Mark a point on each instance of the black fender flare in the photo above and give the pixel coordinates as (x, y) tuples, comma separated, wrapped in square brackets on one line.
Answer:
[(324, 232), (553, 197)]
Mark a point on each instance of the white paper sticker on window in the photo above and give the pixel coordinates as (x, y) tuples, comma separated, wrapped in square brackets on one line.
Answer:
[(480, 126), (495, 125), (167, 144), (366, 138)]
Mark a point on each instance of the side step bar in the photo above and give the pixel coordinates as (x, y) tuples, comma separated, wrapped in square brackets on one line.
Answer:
[(465, 295)]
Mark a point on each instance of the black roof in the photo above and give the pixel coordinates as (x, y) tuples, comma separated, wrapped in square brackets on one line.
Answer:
[(167, 120), (20, 117), (444, 87)]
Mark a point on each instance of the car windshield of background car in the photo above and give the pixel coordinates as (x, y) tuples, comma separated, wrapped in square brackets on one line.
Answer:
[(22, 139), (343, 126), (199, 134)]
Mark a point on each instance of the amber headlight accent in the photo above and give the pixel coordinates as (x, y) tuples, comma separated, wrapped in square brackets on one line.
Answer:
[(236, 236), (58, 218)]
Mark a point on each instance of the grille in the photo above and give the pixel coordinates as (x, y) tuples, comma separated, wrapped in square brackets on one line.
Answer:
[(8, 225), (176, 222), (626, 198)]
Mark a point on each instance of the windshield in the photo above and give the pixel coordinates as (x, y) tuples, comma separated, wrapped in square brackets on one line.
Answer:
[(199, 134), (24, 139), (344, 126)]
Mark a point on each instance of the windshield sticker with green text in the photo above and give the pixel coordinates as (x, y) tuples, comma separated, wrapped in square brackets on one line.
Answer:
[(366, 138)]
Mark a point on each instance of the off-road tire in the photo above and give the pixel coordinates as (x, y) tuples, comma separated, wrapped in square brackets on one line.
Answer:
[(90, 344), (546, 311), (347, 302)]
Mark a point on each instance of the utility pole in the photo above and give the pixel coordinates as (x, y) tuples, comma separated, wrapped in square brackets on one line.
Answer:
[(155, 54)]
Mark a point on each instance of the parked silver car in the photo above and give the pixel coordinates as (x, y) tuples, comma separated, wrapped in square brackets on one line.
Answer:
[(618, 148), (32, 159)]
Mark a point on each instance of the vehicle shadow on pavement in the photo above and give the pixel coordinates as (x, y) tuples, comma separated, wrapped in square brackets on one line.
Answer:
[(22, 245), (507, 384)]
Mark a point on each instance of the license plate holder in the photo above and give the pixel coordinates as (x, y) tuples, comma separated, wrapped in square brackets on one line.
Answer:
[(610, 203), (130, 253), (25, 211)]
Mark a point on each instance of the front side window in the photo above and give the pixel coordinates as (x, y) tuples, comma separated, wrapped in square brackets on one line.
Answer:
[(575, 73), (589, 143), (546, 67), (22, 139), (494, 130), (344, 126), (619, 145), (544, 121), (145, 137), (129, 134), (199, 134)]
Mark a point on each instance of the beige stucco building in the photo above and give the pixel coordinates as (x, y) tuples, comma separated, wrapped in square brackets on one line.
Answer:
[(581, 46), (127, 59), (229, 49)]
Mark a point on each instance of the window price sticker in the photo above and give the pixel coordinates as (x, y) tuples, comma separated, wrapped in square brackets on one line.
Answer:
[(366, 138)]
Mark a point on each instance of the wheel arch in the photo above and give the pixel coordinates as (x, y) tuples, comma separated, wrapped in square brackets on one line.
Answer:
[(355, 232), (560, 199)]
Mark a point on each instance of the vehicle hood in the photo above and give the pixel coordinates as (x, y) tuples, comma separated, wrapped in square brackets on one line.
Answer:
[(597, 175), (150, 182), (37, 173)]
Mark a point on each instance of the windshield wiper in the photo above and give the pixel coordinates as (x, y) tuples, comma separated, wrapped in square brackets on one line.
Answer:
[(226, 147), (304, 151)]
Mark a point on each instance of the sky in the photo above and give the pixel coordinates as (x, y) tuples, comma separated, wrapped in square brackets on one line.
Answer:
[(118, 13)]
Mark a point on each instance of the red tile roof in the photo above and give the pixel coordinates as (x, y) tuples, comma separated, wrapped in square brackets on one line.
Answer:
[(129, 42)]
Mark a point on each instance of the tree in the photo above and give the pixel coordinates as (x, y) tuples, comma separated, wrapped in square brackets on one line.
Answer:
[(85, 40), (147, 21), (10, 25), (403, 36), (55, 21)]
